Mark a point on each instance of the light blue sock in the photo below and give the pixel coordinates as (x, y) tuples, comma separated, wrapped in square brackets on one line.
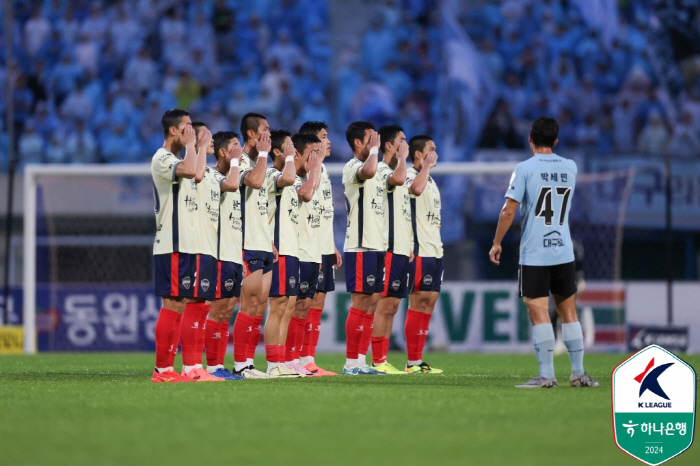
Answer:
[(543, 336), (573, 339)]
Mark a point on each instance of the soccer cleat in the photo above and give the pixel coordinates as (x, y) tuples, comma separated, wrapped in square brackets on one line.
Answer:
[(388, 369), (423, 368), (226, 374), (584, 380), (169, 377), (299, 369), (366, 370), (250, 372), (539, 382), (350, 370), (201, 375), (283, 371), (315, 370)]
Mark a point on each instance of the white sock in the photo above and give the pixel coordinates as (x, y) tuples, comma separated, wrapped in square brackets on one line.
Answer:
[(250, 362), (211, 369), (239, 366), (361, 360), (306, 360), (188, 368), (414, 363), (288, 362), (350, 363), (272, 365), (163, 369)]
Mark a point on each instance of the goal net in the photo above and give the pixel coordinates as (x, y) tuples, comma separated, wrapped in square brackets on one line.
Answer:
[(87, 263)]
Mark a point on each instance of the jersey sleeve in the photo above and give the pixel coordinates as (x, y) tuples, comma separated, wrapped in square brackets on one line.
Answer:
[(384, 172), (271, 177), (165, 166), (220, 178), (410, 176), (350, 172), (516, 188)]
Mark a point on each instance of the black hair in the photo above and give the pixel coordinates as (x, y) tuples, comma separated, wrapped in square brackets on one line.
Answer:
[(197, 125), (172, 118), (301, 140), (221, 140), (277, 137), (388, 134), (417, 143), (356, 130), (250, 121), (544, 131), (313, 127)]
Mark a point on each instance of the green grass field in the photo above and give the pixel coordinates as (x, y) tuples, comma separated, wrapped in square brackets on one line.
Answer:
[(102, 409)]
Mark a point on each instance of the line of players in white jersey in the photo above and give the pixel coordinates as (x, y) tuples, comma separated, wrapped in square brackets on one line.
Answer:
[(241, 232)]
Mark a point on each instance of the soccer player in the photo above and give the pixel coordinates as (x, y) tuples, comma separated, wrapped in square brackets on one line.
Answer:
[(543, 187), (283, 211), (227, 151), (398, 242), (258, 255), (426, 268), (331, 258), (308, 147), (174, 248), (364, 243)]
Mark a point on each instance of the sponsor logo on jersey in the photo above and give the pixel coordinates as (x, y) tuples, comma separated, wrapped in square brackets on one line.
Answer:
[(186, 282), (292, 282), (304, 287), (428, 280), (205, 284), (228, 284), (370, 280)]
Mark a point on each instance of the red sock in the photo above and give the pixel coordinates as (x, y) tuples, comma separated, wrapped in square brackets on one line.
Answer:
[(425, 326), (291, 340), (299, 339), (223, 343), (385, 352), (312, 330), (353, 332), (212, 337), (167, 333), (368, 327), (378, 354), (201, 335), (412, 330), (242, 328), (254, 337), (272, 353), (282, 351), (190, 329)]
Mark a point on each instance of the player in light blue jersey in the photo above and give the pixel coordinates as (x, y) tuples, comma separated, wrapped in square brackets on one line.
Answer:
[(543, 187)]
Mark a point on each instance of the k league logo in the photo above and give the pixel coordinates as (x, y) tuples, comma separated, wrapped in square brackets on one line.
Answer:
[(653, 404)]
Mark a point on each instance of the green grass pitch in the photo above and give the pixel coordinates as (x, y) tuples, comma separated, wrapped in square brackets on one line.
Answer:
[(102, 409)]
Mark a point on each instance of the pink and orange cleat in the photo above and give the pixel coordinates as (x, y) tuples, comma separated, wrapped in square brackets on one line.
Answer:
[(317, 371), (169, 377), (201, 375)]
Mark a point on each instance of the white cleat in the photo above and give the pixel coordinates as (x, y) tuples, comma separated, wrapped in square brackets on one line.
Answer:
[(539, 382), (282, 371), (584, 380)]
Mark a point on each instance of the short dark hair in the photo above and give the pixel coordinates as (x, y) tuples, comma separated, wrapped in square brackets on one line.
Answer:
[(356, 130), (544, 131), (197, 125), (277, 137), (221, 140), (313, 127), (301, 140), (250, 121), (388, 133), (172, 117), (417, 143)]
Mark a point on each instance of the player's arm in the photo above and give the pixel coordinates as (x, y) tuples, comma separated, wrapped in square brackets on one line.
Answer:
[(307, 189), (255, 178), (288, 175), (202, 146), (505, 219), (398, 177), (232, 181), (421, 180), (188, 167), (369, 168)]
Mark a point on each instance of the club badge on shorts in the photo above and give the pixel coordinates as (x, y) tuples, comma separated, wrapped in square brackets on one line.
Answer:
[(653, 405)]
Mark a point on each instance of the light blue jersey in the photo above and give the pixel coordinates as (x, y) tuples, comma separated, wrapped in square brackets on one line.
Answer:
[(544, 186)]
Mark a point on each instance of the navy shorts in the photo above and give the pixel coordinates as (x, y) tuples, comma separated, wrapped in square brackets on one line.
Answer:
[(535, 281), (257, 260), (364, 271), (285, 277), (426, 273), (308, 279), (326, 275), (397, 280), (228, 282), (184, 275)]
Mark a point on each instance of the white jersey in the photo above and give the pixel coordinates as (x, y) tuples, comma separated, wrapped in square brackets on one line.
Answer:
[(230, 225), (365, 206), (310, 228), (207, 225), (256, 227), (398, 229), (425, 213), (283, 212), (326, 243)]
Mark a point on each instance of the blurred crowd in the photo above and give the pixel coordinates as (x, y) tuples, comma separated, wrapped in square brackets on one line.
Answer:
[(92, 78)]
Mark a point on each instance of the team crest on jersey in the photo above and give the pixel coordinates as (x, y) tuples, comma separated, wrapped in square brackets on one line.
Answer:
[(292, 282), (320, 277), (304, 287), (228, 284), (186, 282), (370, 280), (395, 285), (428, 280), (205, 284)]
